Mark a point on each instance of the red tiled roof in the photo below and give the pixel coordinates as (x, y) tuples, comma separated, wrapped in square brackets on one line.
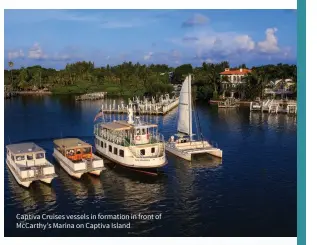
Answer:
[(236, 72)]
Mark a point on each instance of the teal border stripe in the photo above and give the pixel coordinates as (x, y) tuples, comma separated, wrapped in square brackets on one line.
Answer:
[(301, 126)]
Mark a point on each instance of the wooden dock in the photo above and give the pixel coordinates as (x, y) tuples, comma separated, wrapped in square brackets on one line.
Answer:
[(145, 107), (228, 103), (8, 95), (275, 106), (91, 96)]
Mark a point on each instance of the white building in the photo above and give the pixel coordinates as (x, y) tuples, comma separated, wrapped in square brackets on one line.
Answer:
[(234, 77)]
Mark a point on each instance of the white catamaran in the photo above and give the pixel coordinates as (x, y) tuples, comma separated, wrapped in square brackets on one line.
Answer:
[(133, 144), (184, 145)]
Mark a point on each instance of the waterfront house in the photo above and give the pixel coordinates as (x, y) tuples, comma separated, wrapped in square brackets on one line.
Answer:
[(230, 79), (280, 87)]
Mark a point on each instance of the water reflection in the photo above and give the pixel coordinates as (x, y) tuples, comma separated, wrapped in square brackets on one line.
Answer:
[(33, 198), (78, 188), (273, 121)]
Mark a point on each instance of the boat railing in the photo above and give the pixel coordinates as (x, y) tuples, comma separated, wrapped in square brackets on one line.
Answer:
[(157, 138)]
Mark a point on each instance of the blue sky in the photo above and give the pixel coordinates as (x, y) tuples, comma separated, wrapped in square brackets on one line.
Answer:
[(53, 38)]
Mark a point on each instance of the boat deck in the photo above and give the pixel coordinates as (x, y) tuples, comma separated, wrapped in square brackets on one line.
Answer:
[(34, 178)]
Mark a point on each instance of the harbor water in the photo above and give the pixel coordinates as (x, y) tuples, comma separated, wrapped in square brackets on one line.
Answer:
[(250, 192)]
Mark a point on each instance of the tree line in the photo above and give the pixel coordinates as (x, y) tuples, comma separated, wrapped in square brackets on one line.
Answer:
[(128, 79)]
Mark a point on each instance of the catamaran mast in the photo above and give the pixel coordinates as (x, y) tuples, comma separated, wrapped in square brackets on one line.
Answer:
[(190, 107)]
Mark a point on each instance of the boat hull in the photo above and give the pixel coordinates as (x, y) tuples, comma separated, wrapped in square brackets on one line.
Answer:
[(180, 154), (187, 152), (47, 180), (95, 172), (134, 166), (20, 182), (66, 168)]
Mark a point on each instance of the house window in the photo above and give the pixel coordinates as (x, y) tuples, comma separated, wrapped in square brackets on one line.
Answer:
[(115, 151), (110, 148), (152, 150), (121, 153), (101, 143), (142, 152)]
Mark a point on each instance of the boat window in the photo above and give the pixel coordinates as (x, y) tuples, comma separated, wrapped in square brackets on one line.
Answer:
[(70, 152), (143, 131), (39, 155), (29, 157), (152, 150), (101, 143), (110, 148), (138, 131), (8, 152), (105, 145), (142, 152), (12, 157), (115, 151), (78, 151), (20, 158), (121, 153), (86, 150)]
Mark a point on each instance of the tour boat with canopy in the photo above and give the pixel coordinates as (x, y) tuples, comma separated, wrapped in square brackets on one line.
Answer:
[(76, 157), (27, 163), (133, 143)]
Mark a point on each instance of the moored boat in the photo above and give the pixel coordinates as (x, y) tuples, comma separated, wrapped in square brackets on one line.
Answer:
[(76, 157), (27, 163), (133, 144), (185, 145)]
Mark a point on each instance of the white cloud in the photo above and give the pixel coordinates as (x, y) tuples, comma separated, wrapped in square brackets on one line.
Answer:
[(232, 46), (196, 20), (15, 54), (148, 56), (244, 42), (270, 44), (36, 52)]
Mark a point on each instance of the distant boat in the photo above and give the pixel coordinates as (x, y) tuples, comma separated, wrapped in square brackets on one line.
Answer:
[(184, 145), (27, 163), (76, 157)]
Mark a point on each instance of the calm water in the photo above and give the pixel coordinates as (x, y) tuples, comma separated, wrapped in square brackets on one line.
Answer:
[(252, 192)]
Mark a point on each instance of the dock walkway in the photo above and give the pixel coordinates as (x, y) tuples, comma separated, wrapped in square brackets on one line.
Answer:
[(143, 107)]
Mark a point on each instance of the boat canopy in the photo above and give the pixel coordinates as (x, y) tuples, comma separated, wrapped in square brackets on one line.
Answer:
[(71, 143), (24, 148), (117, 125), (123, 125)]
